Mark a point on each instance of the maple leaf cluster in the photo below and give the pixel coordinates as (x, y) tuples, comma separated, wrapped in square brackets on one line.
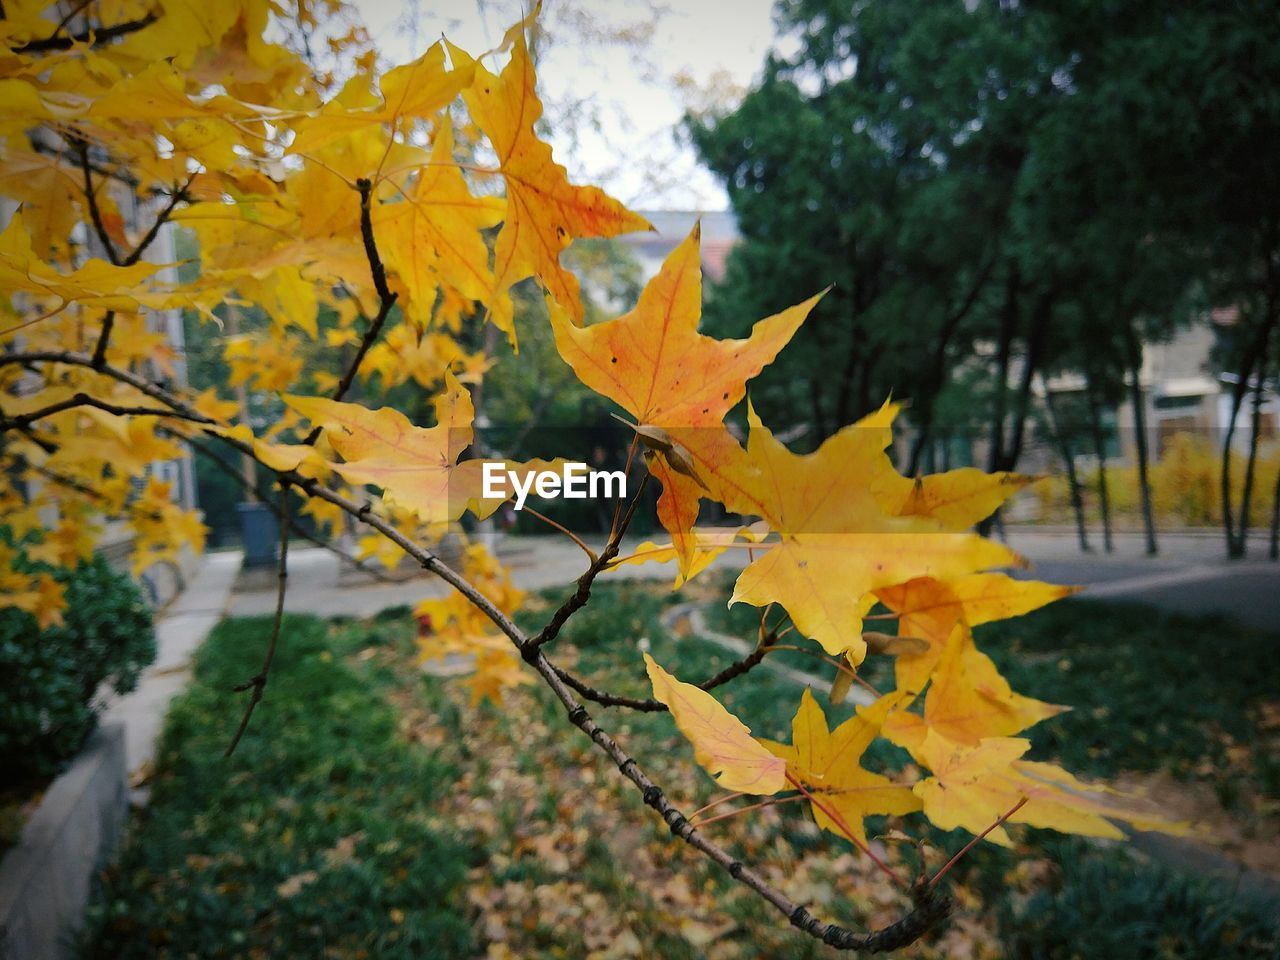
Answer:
[(372, 202)]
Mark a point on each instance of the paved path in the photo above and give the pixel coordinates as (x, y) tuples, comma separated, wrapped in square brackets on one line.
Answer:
[(1189, 575), (179, 631)]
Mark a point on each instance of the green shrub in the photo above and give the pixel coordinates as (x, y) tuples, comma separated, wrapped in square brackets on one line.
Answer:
[(47, 706)]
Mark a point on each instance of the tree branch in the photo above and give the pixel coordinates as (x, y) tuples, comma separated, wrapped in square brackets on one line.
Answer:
[(91, 200), (578, 599), (178, 196), (100, 349), (258, 683), (931, 906), (386, 296), (649, 705), (84, 400), (227, 468), (94, 37)]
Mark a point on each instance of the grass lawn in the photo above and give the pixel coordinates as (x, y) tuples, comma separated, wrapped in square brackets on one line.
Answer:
[(317, 838), (372, 812)]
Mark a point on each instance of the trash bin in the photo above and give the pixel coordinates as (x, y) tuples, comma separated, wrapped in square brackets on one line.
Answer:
[(260, 534)]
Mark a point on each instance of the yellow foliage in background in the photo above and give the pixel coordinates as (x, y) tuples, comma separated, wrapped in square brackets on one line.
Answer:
[(1186, 486)]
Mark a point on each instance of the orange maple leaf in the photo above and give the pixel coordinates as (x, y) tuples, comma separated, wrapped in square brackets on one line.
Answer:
[(545, 212)]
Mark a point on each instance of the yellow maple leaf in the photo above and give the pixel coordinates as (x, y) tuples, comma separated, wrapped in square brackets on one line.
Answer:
[(416, 467), (827, 762), (95, 284), (968, 700), (972, 786), (70, 541), (208, 402), (545, 213), (722, 743), (838, 544), (929, 610), (413, 90), (958, 498), (432, 235), (39, 594), (655, 364)]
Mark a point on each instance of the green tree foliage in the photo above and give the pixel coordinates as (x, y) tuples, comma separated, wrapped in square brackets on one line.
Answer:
[(1004, 188)]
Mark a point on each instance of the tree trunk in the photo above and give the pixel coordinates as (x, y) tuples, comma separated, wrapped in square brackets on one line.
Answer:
[(1008, 318), (1030, 367), (934, 378), (1069, 459), (1100, 448), (1008, 321), (1242, 537), (1134, 350), (1253, 350), (1274, 552), (1228, 517)]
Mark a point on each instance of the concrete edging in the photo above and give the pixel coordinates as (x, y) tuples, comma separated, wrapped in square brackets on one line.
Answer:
[(46, 880)]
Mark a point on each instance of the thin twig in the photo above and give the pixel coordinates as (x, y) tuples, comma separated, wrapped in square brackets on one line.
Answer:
[(767, 802), (178, 196), (563, 529), (71, 15), (386, 297), (969, 846), (84, 400), (578, 599), (839, 821), (727, 798), (108, 321), (258, 683), (734, 670)]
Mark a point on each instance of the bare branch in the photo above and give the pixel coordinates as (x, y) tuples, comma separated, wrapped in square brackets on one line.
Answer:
[(578, 599), (91, 199), (84, 400), (179, 195), (386, 296), (258, 683), (95, 37)]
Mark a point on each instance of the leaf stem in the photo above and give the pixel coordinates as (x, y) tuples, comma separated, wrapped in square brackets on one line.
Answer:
[(839, 821), (970, 845)]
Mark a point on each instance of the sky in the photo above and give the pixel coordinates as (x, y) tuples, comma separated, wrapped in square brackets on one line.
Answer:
[(613, 106)]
